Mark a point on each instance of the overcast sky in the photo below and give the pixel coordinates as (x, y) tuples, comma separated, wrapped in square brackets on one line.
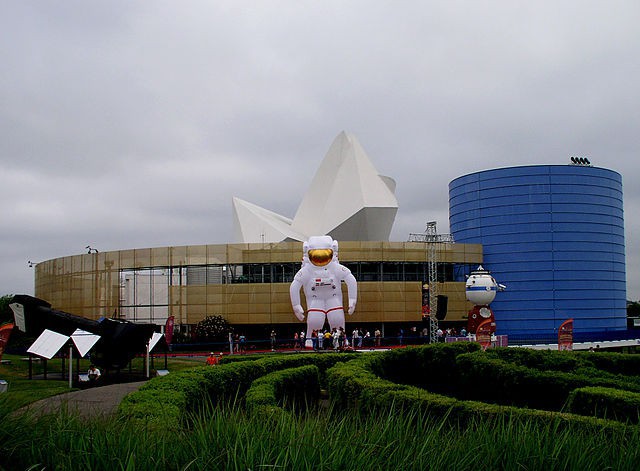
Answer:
[(130, 124)]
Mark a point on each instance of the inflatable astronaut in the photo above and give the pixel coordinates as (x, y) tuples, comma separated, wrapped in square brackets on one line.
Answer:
[(320, 276)]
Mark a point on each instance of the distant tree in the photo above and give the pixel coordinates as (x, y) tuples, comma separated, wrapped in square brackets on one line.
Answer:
[(212, 328), (6, 315)]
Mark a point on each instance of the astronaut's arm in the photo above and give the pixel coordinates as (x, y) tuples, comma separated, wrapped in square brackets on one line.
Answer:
[(294, 294), (352, 292)]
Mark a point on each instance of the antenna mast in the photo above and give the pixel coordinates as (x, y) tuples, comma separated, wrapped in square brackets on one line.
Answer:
[(432, 239), (432, 233)]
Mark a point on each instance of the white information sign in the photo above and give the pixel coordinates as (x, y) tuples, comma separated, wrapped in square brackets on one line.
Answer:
[(154, 340), (84, 341), (18, 315), (48, 344)]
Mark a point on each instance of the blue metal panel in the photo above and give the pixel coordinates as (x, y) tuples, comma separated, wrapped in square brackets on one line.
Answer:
[(555, 236)]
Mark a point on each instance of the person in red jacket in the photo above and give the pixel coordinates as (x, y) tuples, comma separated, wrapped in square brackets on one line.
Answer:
[(212, 360)]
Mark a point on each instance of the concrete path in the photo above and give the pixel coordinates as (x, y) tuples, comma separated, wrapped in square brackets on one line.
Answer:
[(88, 403)]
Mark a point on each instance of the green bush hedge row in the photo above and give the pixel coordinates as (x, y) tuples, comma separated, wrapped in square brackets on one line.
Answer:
[(419, 375), (518, 377), (298, 387), (615, 363), (487, 378), (607, 403), (169, 399), (354, 384), (606, 363), (433, 367)]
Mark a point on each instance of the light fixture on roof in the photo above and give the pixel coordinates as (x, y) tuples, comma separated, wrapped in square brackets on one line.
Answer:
[(580, 161)]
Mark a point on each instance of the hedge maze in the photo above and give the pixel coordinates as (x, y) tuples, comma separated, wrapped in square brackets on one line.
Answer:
[(456, 382)]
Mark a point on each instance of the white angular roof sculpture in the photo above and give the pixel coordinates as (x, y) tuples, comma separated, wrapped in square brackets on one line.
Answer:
[(347, 200), (252, 223)]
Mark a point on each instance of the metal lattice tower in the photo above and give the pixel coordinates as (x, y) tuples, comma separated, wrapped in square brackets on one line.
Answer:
[(432, 239), (431, 234)]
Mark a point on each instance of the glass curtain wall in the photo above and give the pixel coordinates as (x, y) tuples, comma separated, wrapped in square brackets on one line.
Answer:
[(144, 295), (144, 292)]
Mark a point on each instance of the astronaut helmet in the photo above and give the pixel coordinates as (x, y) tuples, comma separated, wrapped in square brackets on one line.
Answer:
[(320, 250)]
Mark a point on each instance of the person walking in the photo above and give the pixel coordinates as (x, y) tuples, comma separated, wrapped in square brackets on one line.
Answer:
[(336, 339)]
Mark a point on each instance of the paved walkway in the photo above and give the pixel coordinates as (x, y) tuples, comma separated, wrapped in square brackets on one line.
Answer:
[(88, 403)]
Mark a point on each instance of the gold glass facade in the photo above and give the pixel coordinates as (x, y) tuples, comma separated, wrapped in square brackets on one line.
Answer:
[(247, 283)]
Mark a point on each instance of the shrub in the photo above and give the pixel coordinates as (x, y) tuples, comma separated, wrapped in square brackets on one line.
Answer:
[(607, 403), (212, 328), (537, 359), (353, 384), (433, 367), (161, 409), (296, 387), (202, 386), (602, 364), (615, 363), (411, 377), (485, 377), (349, 383)]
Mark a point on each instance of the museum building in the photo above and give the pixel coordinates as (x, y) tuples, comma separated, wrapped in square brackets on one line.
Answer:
[(248, 282), (553, 234)]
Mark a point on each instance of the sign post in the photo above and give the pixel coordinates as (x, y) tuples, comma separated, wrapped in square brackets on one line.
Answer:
[(70, 365)]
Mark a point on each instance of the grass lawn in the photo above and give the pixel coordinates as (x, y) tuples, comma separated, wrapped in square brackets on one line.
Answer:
[(22, 390)]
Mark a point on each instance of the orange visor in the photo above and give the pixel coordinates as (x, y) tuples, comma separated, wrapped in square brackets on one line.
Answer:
[(320, 257)]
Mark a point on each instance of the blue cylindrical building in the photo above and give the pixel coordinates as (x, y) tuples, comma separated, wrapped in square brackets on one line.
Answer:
[(554, 234)]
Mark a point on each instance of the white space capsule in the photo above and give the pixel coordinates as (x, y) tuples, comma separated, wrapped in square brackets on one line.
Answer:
[(481, 287)]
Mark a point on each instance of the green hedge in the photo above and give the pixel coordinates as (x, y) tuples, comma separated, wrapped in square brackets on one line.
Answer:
[(158, 408), (295, 387), (226, 358), (485, 377), (433, 367), (605, 365), (457, 380), (192, 389), (565, 361), (607, 403), (615, 363), (354, 384), (493, 380)]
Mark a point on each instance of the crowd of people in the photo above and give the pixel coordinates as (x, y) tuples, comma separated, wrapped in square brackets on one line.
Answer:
[(339, 339), (335, 339), (450, 332)]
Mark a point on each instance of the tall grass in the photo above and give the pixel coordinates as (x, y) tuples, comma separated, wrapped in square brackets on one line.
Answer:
[(227, 438)]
